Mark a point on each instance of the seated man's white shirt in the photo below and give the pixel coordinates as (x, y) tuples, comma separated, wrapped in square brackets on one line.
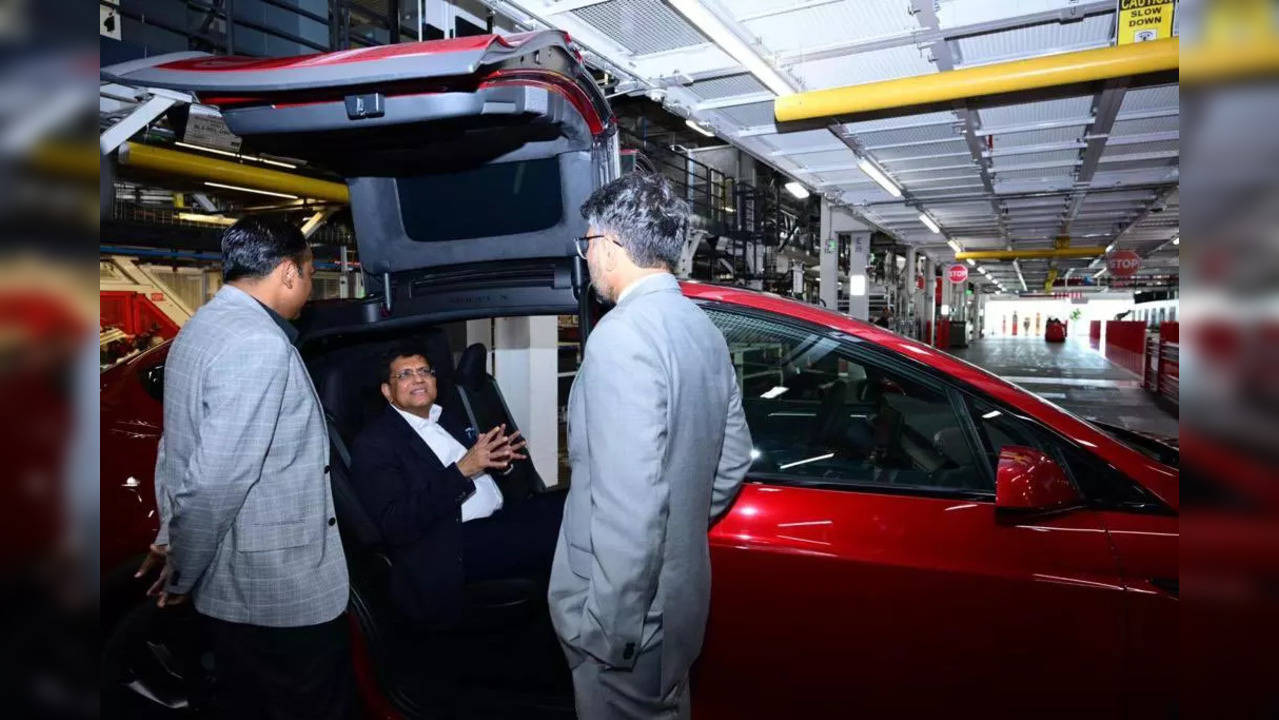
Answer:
[(486, 499)]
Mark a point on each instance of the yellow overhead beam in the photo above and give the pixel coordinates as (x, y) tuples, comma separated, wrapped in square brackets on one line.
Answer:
[(200, 167), (1018, 75), (1070, 252)]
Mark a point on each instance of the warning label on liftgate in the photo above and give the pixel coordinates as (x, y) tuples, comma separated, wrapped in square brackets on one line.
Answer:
[(1145, 20)]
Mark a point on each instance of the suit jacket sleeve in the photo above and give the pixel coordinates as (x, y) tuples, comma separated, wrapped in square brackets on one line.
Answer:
[(243, 393), (626, 427), (163, 504), (402, 503), (735, 456)]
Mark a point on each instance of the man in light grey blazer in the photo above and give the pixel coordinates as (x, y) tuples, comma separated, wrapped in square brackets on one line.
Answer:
[(247, 526), (659, 446)]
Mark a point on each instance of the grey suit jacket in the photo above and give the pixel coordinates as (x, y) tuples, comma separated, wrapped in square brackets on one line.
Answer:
[(241, 477), (659, 446)]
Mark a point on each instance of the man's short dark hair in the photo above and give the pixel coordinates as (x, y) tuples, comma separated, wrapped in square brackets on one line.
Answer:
[(405, 348), (256, 244), (645, 213)]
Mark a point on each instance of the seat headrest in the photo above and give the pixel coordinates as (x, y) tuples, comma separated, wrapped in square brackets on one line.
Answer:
[(348, 379), (471, 366)]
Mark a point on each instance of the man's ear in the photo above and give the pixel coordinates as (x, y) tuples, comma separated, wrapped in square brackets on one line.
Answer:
[(386, 393), (612, 256), (289, 273)]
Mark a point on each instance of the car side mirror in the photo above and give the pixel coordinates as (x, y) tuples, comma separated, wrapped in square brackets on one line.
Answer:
[(1028, 481)]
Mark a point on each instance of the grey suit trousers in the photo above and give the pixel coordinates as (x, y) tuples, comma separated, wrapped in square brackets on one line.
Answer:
[(604, 693)]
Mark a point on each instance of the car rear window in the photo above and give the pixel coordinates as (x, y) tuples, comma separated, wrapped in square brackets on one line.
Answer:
[(487, 201)]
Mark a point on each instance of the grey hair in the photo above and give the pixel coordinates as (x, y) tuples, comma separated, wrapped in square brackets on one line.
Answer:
[(645, 213)]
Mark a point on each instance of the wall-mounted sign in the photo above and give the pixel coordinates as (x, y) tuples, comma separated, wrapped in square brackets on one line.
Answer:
[(957, 273), (1145, 20), (1123, 263)]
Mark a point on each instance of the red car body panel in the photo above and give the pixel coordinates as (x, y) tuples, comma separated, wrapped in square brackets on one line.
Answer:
[(922, 603)]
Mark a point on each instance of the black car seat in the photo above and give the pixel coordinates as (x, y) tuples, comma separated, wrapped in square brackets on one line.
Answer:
[(485, 408)]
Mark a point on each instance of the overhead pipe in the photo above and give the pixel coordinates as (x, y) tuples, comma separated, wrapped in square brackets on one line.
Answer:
[(1067, 252), (200, 167), (1016, 76)]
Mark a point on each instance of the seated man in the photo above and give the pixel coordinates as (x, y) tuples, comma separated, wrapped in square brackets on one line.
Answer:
[(438, 509)]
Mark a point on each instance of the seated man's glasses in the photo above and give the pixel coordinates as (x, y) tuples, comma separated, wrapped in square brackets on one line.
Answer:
[(422, 372)]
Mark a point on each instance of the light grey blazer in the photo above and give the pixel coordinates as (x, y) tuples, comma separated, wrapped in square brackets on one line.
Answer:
[(659, 445), (241, 477)]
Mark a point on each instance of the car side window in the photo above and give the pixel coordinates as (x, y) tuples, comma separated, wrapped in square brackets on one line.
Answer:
[(819, 412), (1101, 484)]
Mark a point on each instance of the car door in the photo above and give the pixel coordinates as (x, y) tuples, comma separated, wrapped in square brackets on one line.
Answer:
[(466, 159), (864, 566)]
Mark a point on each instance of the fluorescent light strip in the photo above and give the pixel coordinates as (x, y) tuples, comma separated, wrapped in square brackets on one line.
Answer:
[(929, 223), (770, 394), (234, 155), (797, 189), (954, 246), (209, 219), (250, 190), (971, 262), (787, 466), (878, 176), (719, 33), (699, 127)]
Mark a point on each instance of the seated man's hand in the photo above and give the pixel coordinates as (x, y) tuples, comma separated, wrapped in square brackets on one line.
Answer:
[(494, 450)]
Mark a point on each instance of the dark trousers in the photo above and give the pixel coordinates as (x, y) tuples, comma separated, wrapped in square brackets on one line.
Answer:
[(278, 673), (517, 541)]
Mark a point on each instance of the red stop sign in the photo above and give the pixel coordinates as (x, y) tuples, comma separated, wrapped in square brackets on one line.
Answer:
[(1123, 263), (957, 273)]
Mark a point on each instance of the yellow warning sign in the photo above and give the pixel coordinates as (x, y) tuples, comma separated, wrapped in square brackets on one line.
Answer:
[(1145, 20)]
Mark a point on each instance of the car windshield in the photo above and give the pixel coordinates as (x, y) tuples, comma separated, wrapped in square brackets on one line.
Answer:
[(487, 201)]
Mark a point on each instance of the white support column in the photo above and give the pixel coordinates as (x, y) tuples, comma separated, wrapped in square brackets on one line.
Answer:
[(908, 310), (927, 302), (858, 284), (829, 261), (526, 363)]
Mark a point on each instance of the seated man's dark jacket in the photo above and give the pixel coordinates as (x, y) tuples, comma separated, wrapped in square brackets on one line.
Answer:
[(416, 503)]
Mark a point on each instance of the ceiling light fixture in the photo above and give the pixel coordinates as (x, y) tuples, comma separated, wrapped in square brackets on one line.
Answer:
[(703, 129), (239, 188), (719, 33), (954, 246), (798, 190), (929, 223), (1176, 240), (878, 176), (971, 262)]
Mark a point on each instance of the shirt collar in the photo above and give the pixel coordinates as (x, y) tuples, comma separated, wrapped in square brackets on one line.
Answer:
[(646, 279), (289, 331), (417, 421)]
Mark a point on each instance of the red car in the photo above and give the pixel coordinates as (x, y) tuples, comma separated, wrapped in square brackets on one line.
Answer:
[(916, 535), (1055, 330)]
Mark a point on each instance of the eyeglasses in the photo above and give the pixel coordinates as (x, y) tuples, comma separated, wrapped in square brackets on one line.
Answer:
[(422, 372), (584, 243)]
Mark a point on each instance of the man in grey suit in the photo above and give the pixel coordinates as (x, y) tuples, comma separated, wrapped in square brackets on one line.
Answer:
[(247, 526), (659, 446)]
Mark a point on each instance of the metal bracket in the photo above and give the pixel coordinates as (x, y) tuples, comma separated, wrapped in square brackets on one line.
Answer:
[(146, 113)]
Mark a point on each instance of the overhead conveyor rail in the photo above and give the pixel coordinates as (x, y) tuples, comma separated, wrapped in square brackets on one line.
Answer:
[(972, 83)]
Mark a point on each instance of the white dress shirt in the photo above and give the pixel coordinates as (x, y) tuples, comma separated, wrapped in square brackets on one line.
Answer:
[(486, 499), (637, 283)]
